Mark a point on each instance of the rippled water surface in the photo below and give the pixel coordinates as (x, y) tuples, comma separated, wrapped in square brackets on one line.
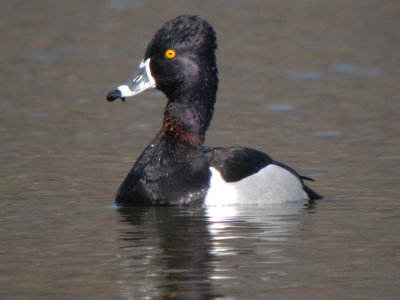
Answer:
[(313, 83)]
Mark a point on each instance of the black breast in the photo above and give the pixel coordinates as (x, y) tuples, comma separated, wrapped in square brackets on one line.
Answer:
[(166, 173)]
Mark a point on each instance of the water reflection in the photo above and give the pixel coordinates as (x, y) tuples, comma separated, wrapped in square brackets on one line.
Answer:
[(184, 253), (167, 253)]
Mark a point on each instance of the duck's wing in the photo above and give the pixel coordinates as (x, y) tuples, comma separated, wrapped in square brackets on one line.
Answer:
[(236, 163)]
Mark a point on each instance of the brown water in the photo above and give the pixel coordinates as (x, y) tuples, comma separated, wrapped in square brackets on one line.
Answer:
[(313, 83)]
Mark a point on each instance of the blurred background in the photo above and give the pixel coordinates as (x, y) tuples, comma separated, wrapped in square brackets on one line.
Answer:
[(315, 84)]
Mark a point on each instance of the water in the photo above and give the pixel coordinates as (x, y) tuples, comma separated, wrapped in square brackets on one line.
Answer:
[(313, 84)]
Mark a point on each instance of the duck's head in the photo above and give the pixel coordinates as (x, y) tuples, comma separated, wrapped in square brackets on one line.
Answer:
[(179, 61)]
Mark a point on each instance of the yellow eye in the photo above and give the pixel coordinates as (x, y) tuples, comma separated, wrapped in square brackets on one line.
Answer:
[(170, 53)]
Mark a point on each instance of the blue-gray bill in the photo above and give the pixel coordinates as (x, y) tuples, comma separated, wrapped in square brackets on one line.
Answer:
[(143, 80)]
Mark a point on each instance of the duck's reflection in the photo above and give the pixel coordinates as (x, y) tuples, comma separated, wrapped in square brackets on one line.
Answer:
[(186, 253), (167, 253)]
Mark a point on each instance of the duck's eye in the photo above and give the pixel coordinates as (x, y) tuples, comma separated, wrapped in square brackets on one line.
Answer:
[(170, 53)]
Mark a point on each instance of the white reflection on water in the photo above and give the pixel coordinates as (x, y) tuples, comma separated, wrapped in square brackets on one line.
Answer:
[(271, 223)]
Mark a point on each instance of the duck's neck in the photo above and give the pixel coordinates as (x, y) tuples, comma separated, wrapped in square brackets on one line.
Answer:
[(188, 114)]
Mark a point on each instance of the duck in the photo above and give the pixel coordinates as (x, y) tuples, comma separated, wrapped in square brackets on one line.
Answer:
[(176, 168)]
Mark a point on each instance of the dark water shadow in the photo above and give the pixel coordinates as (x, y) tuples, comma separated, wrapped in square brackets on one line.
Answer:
[(170, 246)]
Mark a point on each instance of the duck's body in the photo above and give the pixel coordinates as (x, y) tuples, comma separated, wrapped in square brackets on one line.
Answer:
[(176, 169)]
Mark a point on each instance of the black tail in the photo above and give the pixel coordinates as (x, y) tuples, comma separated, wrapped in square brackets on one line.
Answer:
[(311, 194)]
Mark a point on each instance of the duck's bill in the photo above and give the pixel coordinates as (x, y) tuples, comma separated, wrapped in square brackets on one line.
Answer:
[(143, 80)]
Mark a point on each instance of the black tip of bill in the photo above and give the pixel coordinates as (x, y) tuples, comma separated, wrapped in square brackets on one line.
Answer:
[(114, 95)]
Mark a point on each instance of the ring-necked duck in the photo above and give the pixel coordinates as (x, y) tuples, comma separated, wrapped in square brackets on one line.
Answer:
[(175, 168)]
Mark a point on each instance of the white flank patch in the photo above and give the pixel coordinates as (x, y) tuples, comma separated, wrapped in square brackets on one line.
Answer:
[(271, 185)]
